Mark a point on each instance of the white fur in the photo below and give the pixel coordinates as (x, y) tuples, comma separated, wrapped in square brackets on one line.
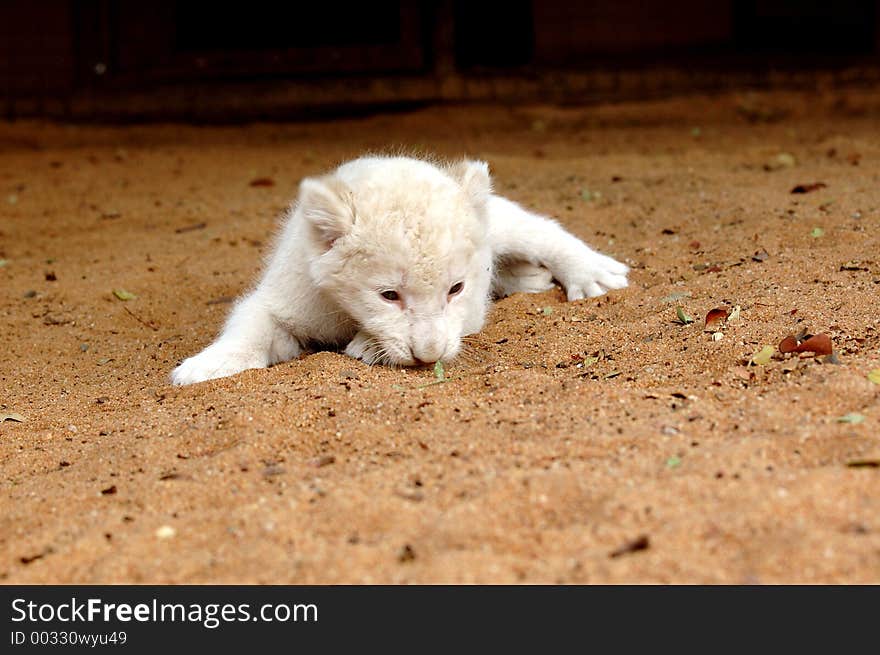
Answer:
[(382, 224)]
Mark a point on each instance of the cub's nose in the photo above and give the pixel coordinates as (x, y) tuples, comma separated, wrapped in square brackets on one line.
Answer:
[(423, 357), (428, 341)]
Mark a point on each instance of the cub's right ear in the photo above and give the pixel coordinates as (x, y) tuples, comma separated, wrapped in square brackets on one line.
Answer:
[(327, 206), (473, 176)]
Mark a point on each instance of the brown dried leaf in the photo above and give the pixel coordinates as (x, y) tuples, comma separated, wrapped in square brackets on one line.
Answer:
[(819, 344), (262, 181), (788, 345), (715, 317)]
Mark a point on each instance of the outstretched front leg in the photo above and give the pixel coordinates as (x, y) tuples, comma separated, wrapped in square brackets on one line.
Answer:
[(252, 338), (519, 235)]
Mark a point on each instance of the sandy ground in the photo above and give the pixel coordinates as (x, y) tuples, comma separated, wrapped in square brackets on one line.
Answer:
[(598, 441)]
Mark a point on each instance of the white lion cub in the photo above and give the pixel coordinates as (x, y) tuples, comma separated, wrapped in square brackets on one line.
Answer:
[(397, 258)]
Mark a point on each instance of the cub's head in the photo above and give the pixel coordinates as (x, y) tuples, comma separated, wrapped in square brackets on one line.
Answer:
[(401, 246)]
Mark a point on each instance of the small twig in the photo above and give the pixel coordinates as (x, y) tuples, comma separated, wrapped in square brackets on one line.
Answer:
[(140, 320), (190, 228)]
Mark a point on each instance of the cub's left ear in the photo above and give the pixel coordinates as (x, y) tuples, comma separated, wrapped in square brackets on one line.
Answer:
[(473, 176)]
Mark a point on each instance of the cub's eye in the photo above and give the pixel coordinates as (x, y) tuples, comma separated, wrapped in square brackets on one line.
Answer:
[(456, 288), (391, 295)]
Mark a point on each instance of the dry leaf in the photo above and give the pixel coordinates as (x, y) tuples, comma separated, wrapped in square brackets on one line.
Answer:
[(11, 416), (819, 344), (122, 294), (734, 315), (852, 417), (788, 345), (763, 356), (715, 317)]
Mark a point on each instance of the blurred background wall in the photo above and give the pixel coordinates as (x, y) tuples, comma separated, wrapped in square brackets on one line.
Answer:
[(212, 61)]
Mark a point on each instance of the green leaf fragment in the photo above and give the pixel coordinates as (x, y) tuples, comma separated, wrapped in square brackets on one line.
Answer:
[(3, 262), (439, 372), (547, 311), (852, 417), (673, 462), (683, 318), (817, 232), (763, 356), (786, 159), (122, 294), (874, 376)]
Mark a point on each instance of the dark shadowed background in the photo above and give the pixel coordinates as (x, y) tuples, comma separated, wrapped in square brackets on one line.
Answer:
[(241, 61)]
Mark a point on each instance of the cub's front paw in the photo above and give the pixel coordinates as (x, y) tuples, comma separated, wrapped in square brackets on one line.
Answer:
[(364, 348), (594, 275), (215, 362)]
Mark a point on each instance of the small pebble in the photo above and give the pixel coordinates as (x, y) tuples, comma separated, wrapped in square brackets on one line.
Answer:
[(406, 554), (323, 460), (165, 532), (409, 494)]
